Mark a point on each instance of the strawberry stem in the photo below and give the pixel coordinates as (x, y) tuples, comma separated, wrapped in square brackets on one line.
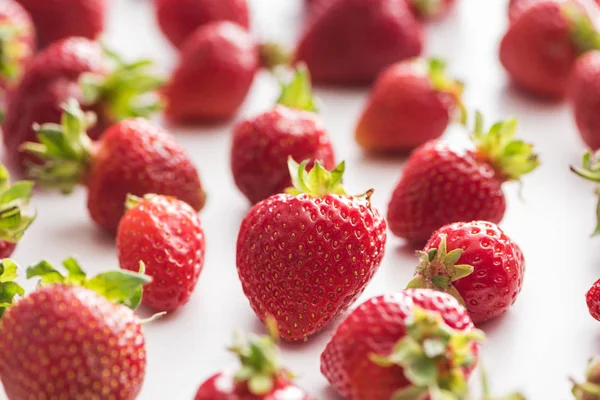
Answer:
[(297, 93), (14, 200), (8, 288), (12, 50), (590, 170), (583, 32), (318, 182), (436, 70), (273, 55)]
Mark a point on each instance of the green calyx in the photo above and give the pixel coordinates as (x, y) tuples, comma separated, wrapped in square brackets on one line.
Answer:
[(590, 389), (583, 32), (297, 92), (273, 55), (436, 71), (119, 286), (14, 199), (590, 170), (12, 51), (510, 157), (8, 288), (318, 182), (132, 201), (428, 8)]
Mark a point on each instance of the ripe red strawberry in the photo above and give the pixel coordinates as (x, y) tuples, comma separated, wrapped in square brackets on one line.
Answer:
[(14, 219), (411, 102), (17, 41), (442, 183), (584, 96), (179, 18), (592, 298), (590, 389), (306, 256), (431, 9), (542, 44), (59, 19), (133, 156), (214, 74), (166, 235), (349, 42), (75, 337), (476, 263), (408, 345), (262, 145)]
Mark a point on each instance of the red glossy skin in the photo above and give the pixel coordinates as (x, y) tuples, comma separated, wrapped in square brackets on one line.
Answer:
[(12, 14), (215, 72), (178, 19), (584, 97), (349, 42), (592, 298), (440, 185), (6, 248), (137, 157), (305, 259), (165, 234), (60, 19), (262, 145), (67, 340), (499, 265), (403, 111), (375, 327)]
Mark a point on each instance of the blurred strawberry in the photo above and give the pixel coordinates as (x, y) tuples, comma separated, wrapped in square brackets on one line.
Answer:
[(584, 97), (17, 42)]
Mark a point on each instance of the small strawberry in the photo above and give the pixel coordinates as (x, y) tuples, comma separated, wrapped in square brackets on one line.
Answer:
[(443, 183), (431, 9), (584, 96), (217, 66), (349, 42), (74, 337), (592, 298), (590, 389), (17, 42), (14, 220), (411, 102), (262, 145), (542, 44), (166, 235), (590, 170), (179, 18), (306, 256), (416, 344), (476, 263), (133, 156)]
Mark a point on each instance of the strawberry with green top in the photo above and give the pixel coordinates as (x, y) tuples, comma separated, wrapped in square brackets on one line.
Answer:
[(17, 42), (14, 217), (443, 183), (590, 389)]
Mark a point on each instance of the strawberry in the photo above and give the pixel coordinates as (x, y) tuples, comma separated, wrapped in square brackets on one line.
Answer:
[(542, 44), (590, 389), (584, 97), (214, 74), (411, 102), (263, 144), (476, 263), (443, 183), (17, 42), (306, 256), (179, 18), (14, 220), (592, 298), (59, 19), (77, 68), (74, 337), (408, 345), (133, 156), (431, 9), (166, 235), (349, 42)]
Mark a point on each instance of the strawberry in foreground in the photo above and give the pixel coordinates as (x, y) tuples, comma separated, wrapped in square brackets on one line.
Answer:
[(132, 157), (590, 389), (305, 256), (411, 102), (17, 42), (592, 298), (442, 184), (584, 97), (14, 219), (431, 9), (404, 346), (74, 336), (166, 235), (262, 145), (216, 68), (476, 263)]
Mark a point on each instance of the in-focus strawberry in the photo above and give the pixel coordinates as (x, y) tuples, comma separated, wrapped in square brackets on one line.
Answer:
[(443, 183), (431, 9), (411, 102), (590, 389), (132, 157), (262, 145), (584, 97), (17, 42), (592, 298), (14, 218), (415, 344), (305, 256)]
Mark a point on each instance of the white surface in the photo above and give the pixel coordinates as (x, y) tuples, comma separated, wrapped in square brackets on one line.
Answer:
[(547, 336)]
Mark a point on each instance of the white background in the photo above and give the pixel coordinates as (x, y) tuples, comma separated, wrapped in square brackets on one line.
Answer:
[(546, 337)]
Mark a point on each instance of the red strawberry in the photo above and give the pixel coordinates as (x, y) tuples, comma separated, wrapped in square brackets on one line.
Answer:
[(542, 44), (592, 298), (14, 219), (166, 235), (215, 71), (17, 41), (412, 102), (442, 183), (431, 9), (584, 96), (59, 19), (409, 345), (306, 256), (349, 42), (262, 145), (133, 156), (74, 337), (590, 389), (179, 18)]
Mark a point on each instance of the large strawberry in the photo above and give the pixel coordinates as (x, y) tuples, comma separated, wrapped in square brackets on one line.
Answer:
[(542, 44), (74, 337), (584, 97), (349, 42), (590, 389), (306, 256), (431, 9), (443, 183), (214, 74), (406, 345), (14, 219), (262, 145), (17, 42), (166, 235), (133, 156), (411, 102)]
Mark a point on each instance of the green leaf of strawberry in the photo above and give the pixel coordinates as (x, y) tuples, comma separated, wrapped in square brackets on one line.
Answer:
[(297, 93), (317, 182), (8, 288), (14, 199)]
